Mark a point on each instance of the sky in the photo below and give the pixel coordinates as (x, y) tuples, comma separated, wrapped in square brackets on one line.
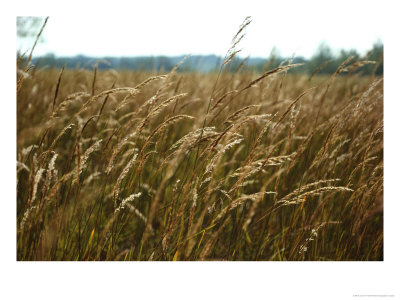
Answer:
[(289, 27)]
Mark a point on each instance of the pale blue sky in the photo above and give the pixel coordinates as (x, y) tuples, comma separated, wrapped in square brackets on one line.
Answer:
[(290, 27)]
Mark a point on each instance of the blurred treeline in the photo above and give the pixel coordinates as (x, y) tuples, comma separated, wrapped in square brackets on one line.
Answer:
[(324, 60)]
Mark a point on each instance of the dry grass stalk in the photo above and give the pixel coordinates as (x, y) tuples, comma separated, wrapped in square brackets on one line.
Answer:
[(121, 177), (302, 197)]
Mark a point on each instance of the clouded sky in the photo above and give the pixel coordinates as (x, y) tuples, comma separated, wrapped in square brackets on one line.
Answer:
[(289, 26)]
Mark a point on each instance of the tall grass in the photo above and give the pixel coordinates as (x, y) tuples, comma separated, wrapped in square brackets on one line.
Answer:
[(188, 166)]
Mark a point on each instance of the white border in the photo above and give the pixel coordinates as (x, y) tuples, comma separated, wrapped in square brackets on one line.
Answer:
[(196, 280)]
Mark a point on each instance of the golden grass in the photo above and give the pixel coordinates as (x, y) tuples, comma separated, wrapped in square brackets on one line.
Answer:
[(152, 178)]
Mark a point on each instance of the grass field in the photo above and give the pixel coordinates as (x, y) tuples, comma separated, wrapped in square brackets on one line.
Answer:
[(185, 166), (189, 166)]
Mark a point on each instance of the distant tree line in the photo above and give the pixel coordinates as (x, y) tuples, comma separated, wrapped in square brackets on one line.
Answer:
[(323, 60)]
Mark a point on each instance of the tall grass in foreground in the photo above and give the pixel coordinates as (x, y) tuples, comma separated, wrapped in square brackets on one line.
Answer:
[(140, 166)]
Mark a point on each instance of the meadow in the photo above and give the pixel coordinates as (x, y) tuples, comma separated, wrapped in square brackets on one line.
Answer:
[(118, 165)]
